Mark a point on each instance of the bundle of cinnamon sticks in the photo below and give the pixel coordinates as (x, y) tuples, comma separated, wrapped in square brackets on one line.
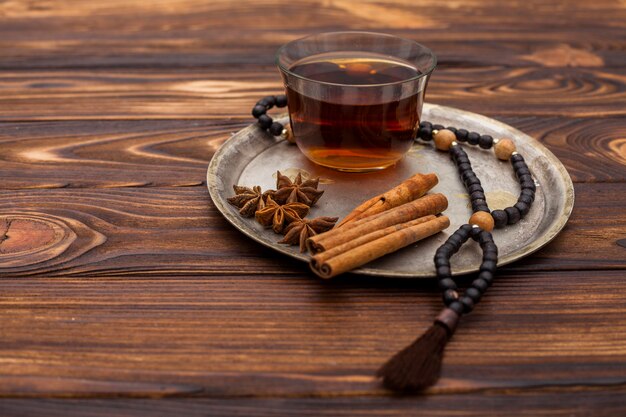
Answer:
[(380, 225)]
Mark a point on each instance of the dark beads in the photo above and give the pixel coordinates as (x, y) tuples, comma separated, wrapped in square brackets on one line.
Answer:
[(442, 261), (438, 127), (457, 307), (473, 138), (477, 195), (258, 110), (523, 208), (526, 199), (480, 284), (466, 175), (480, 205), (276, 129), (451, 129), (268, 101), (479, 202), (444, 271), (464, 167), (490, 256), (528, 185), (466, 227), (426, 133), (525, 178), (447, 249), (521, 172), (468, 304), (460, 158), (519, 165), (513, 215), (473, 293), (529, 193), (489, 266), (281, 100), (500, 218), (452, 245), (462, 235), (426, 124), (461, 135), (486, 276), (447, 284), (456, 239), (472, 180), (450, 296), (517, 158), (484, 238), (490, 247), (265, 121), (442, 257), (485, 141), (475, 187)]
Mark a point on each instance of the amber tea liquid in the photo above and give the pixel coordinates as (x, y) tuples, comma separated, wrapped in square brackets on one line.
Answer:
[(354, 128)]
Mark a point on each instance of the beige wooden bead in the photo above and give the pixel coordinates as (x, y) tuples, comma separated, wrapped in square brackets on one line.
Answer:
[(443, 139), (482, 219), (504, 149)]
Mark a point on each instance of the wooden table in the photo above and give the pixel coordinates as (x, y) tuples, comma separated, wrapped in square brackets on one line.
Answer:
[(124, 292)]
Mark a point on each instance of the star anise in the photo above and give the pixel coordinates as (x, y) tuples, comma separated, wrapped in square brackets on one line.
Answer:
[(300, 230), (278, 216), (249, 200), (297, 191)]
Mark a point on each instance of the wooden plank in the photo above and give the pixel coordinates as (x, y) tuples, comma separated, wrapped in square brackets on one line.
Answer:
[(219, 95), (110, 153), (143, 290), (222, 48), (102, 95), (192, 32), (592, 150), (253, 335), (178, 231), (176, 152), (597, 403)]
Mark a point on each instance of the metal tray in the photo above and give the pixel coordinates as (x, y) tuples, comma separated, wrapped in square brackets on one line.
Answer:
[(252, 156)]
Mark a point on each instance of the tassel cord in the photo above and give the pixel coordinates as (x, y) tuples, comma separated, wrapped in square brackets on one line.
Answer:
[(418, 365)]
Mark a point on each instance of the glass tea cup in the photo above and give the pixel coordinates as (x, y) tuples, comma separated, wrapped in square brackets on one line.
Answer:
[(355, 98)]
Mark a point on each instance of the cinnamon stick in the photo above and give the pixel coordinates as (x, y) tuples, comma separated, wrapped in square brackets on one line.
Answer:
[(424, 206), (377, 234), (408, 190), (374, 249)]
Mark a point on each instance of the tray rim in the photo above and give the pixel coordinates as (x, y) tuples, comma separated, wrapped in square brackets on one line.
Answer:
[(558, 225)]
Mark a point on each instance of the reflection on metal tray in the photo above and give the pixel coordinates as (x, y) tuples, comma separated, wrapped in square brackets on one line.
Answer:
[(252, 156)]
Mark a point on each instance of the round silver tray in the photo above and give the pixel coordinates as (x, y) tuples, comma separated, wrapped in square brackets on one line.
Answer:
[(252, 156)]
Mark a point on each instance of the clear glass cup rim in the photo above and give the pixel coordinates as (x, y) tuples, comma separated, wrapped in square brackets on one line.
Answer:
[(422, 74)]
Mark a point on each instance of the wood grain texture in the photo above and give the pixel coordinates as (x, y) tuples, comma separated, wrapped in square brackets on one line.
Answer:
[(178, 231), (176, 152), (124, 292), (185, 33), (573, 403), (296, 336), (227, 95)]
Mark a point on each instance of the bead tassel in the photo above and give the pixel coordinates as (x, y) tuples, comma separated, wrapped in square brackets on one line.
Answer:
[(418, 365)]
